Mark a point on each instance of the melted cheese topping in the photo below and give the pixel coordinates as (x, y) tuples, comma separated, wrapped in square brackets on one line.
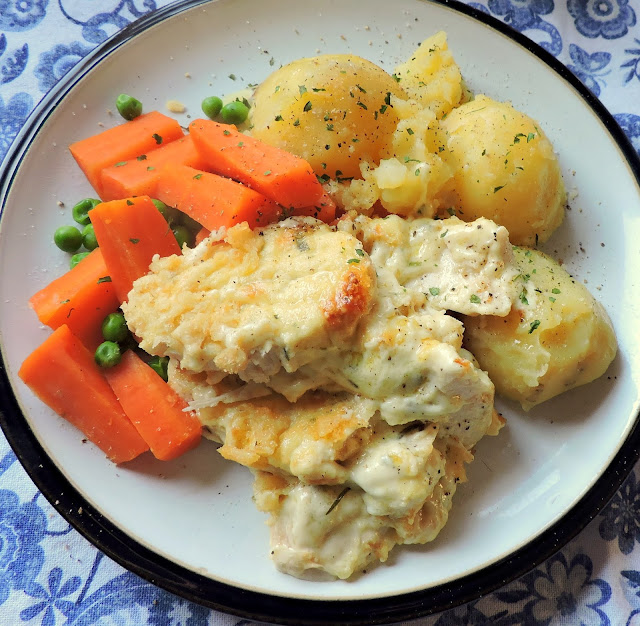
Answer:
[(321, 359)]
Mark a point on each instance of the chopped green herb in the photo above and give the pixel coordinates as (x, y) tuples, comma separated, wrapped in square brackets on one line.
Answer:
[(142, 157), (534, 325), (523, 297), (555, 290), (434, 291), (232, 76), (475, 299), (197, 177), (157, 138), (104, 279), (267, 173), (496, 189), (353, 261), (336, 502), (226, 132), (150, 167), (444, 234), (410, 131), (360, 88), (307, 107), (302, 89), (329, 126), (359, 252), (530, 136), (278, 118), (362, 105), (120, 164), (133, 240), (272, 61), (297, 123)]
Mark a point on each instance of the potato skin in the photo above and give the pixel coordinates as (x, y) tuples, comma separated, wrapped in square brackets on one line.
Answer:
[(504, 169), (557, 339), (332, 110)]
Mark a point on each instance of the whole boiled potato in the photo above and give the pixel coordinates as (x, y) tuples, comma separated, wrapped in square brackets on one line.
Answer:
[(557, 338), (335, 111), (504, 169)]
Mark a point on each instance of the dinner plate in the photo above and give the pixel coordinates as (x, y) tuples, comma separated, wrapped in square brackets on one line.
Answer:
[(190, 525)]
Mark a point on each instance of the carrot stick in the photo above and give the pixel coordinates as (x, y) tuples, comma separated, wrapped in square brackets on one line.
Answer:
[(63, 374), (86, 310), (57, 297), (201, 235), (279, 175), (154, 408), (137, 177), (324, 209), (130, 232), (121, 143), (212, 200)]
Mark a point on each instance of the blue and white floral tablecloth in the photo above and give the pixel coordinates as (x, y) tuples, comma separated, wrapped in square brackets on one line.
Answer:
[(50, 575)]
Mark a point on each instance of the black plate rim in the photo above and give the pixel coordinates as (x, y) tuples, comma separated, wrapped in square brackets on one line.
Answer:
[(160, 571)]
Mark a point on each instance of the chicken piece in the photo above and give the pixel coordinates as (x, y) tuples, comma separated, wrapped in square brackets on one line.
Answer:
[(312, 439), (328, 529), (464, 267), (253, 302)]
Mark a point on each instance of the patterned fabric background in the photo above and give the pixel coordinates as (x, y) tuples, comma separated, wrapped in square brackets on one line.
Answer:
[(49, 575)]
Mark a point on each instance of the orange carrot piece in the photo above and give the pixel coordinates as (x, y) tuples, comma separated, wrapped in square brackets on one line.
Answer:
[(86, 310), (324, 209), (130, 232), (123, 142), (281, 176), (138, 177), (63, 374), (154, 408), (212, 200), (202, 234), (56, 298)]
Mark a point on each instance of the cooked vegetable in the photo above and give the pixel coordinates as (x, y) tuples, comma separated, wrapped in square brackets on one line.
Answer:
[(58, 294), (138, 177), (154, 408), (76, 258), (281, 176), (85, 310), (128, 106), (557, 338), (114, 327), (183, 236), (505, 169), (63, 374), (335, 111), (80, 211), (89, 240), (121, 143), (130, 232), (212, 200), (107, 354), (159, 364), (234, 112), (67, 238), (212, 106)]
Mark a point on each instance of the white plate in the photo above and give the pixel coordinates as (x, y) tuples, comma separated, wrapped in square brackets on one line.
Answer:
[(190, 525)]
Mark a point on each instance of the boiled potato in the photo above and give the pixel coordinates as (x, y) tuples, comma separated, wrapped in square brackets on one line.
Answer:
[(432, 77), (333, 110), (557, 338), (504, 169)]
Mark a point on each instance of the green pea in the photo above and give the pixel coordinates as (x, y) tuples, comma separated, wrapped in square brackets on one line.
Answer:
[(183, 236), (89, 240), (108, 354), (80, 211), (159, 365), (190, 223), (67, 238), (76, 258), (114, 327), (235, 112), (211, 106), (173, 216), (128, 106)]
